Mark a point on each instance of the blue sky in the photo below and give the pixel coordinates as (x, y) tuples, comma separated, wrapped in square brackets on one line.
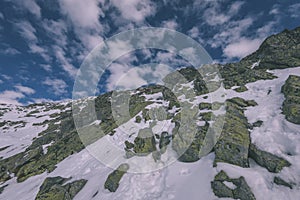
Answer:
[(44, 42)]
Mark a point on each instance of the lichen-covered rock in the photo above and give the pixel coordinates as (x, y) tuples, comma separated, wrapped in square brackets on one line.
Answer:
[(53, 188), (271, 162), (232, 146), (113, 179), (280, 181), (291, 104), (277, 51), (241, 191), (144, 143)]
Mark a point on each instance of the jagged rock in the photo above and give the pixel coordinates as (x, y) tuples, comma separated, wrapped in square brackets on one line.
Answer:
[(2, 188), (280, 181), (232, 146), (53, 188), (241, 89), (277, 51), (265, 159), (144, 143), (241, 191), (291, 104), (113, 179)]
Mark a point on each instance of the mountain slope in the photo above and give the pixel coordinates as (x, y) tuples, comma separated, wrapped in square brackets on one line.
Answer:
[(257, 155)]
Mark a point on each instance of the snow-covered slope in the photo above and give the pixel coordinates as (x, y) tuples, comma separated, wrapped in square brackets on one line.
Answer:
[(178, 180)]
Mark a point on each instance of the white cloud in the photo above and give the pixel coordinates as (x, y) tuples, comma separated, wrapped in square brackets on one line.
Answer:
[(25, 90), (27, 31), (231, 32), (194, 32), (84, 14), (57, 86), (32, 7), (13, 97), (10, 51), (171, 24), (56, 30), (46, 67), (65, 63), (241, 48), (6, 77), (294, 10), (127, 77), (214, 15), (28, 5), (135, 10), (84, 17), (1, 15)]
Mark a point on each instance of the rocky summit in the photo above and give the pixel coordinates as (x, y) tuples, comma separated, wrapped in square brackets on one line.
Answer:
[(243, 144)]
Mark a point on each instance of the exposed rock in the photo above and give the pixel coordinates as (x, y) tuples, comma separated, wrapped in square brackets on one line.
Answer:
[(280, 181), (277, 51), (54, 189), (291, 104), (113, 179), (242, 190), (232, 146), (271, 162)]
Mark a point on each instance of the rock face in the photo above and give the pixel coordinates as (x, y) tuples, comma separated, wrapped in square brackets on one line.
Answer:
[(278, 51), (291, 104), (280, 181), (54, 189), (265, 159), (240, 191), (112, 181), (233, 144)]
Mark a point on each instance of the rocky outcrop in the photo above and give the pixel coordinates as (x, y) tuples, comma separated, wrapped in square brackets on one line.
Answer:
[(240, 189), (291, 104), (271, 162), (278, 51), (54, 188), (113, 179)]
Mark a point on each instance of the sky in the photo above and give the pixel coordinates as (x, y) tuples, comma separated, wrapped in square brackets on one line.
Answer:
[(44, 42)]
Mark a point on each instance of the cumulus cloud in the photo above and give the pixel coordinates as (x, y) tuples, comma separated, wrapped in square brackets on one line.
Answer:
[(11, 97), (171, 24), (241, 48), (57, 86), (14, 96), (125, 77), (25, 90), (84, 17), (135, 10), (46, 67), (214, 15), (10, 51)]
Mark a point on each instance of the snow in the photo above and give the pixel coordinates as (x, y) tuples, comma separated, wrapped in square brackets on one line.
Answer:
[(18, 138), (178, 180)]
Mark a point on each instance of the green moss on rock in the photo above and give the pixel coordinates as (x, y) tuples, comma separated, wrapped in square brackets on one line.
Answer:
[(271, 162), (280, 181), (113, 179), (242, 191), (54, 188)]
